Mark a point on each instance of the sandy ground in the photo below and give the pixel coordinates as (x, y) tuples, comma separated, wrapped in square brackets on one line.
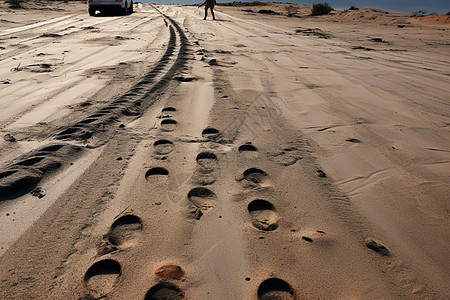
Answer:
[(160, 156)]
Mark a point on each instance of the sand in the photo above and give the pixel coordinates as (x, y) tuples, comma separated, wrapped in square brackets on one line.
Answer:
[(258, 156)]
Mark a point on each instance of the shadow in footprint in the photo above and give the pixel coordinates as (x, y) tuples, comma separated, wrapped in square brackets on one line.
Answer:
[(164, 291), (203, 200), (263, 215), (168, 112), (377, 247), (210, 133), (207, 160), (169, 109), (168, 125), (255, 175), (247, 148), (52, 148), (274, 288), (124, 230), (156, 172), (163, 146), (170, 271), (102, 276), (30, 161)]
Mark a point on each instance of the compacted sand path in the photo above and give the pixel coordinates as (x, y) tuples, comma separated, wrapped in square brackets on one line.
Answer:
[(160, 156)]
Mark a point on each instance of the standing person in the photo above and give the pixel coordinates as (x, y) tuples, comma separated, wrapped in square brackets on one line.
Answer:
[(209, 4)]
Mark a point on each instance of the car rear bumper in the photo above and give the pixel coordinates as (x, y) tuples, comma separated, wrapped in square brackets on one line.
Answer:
[(104, 4)]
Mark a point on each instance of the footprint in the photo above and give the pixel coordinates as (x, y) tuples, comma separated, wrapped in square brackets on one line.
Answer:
[(164, 291), (377, 247), (124, 230), (87, 121), (96, 115), (203, 200), (168, 125), (275, 289), (321, 173), (52, 148), (7, 173), (30, 161), (263, 215), (353, 140), (170, 270), (203, 176), (156, 172), (102, 276), (255, 175), (169, 108), (168, 111), (210, 133), (247, 148), (69, 131), (207, 160), (163, 146)]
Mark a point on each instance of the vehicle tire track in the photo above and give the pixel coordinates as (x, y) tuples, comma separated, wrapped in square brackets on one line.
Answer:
[(126, 107)]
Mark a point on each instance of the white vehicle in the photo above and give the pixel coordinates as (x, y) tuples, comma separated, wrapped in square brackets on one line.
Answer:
[(123, 6)]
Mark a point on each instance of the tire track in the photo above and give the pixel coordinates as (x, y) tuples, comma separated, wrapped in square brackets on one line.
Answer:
[(126, 107)]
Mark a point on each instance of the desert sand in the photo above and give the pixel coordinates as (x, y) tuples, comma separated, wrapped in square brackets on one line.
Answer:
[(258, 156)]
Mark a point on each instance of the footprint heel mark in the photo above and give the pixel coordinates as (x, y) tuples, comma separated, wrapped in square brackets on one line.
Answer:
[(275, 289), (164, 291), (168, 125), (87, 121), (124, 230), (168, 112), (7, 173), (52, 148), (30, 161), (377, 247), (207, 160), (353, 140), (156, 172), (16, 183), (263, 215), (170, 271), (97, 115), (255, 175), (210, 133), (202, 200), (102, 276), (203, 176), (163, 146), (247, 148)]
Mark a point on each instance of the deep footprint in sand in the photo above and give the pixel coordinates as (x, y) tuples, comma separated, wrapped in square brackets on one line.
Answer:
[(170, 271), (255, 175), (275, 289), (102, 276), (168, 111), (124, 230), (156, 172), (52, 148), (263, 214), (164, 291), (207, 160), (203, 200), (203, 176), (163, 146), (210, 133), (248, 149), (168, 125), (377, 247)]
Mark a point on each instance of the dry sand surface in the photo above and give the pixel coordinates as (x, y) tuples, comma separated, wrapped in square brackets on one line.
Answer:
[(258, 156)]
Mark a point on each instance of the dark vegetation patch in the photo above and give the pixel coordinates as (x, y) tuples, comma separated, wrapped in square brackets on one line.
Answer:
[(319, 9)]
